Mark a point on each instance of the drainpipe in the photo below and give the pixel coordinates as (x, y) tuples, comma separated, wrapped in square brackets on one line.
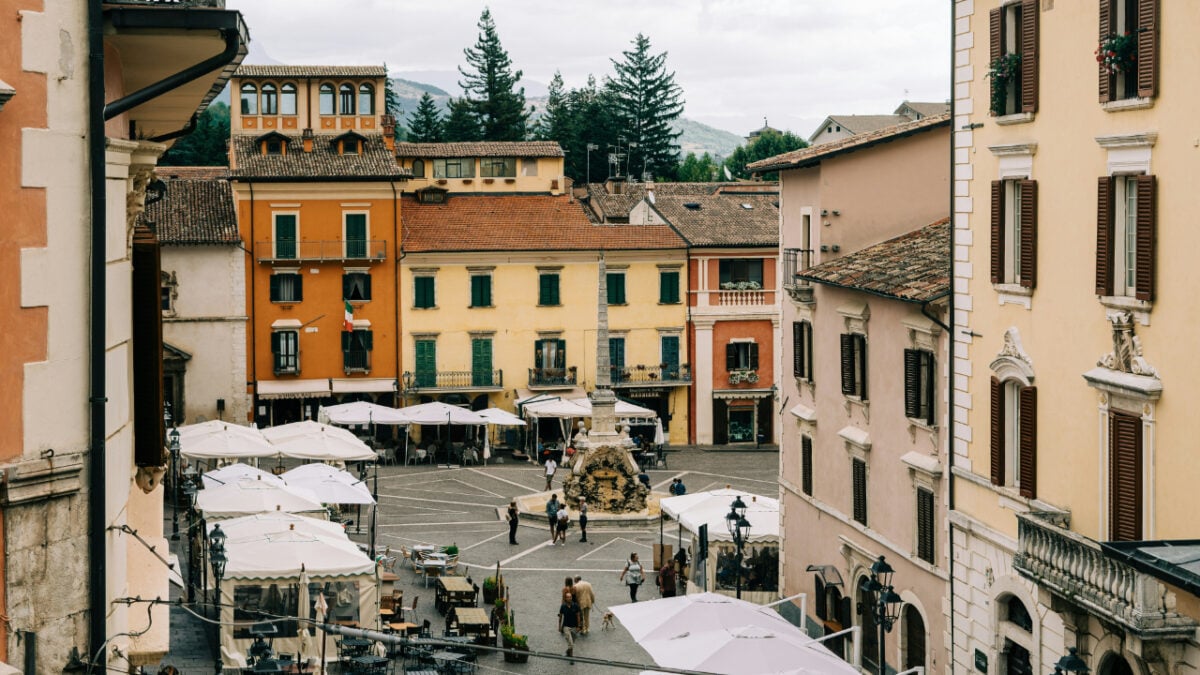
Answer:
[(233, 44), (396, 289), (97, 552)]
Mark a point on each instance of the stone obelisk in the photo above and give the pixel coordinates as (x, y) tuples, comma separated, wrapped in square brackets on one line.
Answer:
[(604, 401)]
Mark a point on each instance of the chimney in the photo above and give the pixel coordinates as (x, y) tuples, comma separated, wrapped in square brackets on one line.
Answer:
[(389, 132), (306, 137)]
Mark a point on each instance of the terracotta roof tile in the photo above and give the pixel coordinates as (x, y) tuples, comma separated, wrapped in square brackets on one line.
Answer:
[(520, 223), (481, 149), (723, 220), (914, 266), (376, 161), (195, 210), (611, 205), (309, 71), (814, 154)]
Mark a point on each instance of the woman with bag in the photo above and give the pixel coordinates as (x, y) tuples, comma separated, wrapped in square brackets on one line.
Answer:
[(636, 575)]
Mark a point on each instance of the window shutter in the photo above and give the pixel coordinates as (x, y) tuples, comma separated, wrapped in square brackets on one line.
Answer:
[(995, 34), (912, 383), (847, 341), (1106, 78), (1028, 243), (753, 356), (1028, 442), (809, 364), (997, 231), (346, 335), (149, 432), (819, 597), (931, 390), (860, 344), (997, 432), (276, 341), (1104, 235), (1125, 477), (560, 354), (365, 281), (1147, 48), (797, 349), (846, 612), (1147, 196), (925, 524), (806, 464), (1029, 55), (860, 491), (367, 338), (731, 357), (274, 287), (347, 286)]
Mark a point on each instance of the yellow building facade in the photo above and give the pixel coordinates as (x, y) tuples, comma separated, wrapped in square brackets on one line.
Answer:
[(1075, 289)]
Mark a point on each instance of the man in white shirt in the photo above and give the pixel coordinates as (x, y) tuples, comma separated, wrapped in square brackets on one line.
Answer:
[(551, 467)]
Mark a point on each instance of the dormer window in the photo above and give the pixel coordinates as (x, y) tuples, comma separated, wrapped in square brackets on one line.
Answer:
[(273, 143), (273, 146), (349, 143), (326, 98), (270, 99), (431, 195), (346, 100), (351, 146), (249, 99), (366, 99)]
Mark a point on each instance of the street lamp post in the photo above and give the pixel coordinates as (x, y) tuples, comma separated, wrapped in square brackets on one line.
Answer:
[(590, 148), (887, 605), (174, 448), (1071, 663), (216, 557), (189, 493), (739, 529)]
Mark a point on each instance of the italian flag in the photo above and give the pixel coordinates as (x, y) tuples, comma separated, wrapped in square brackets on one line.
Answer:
[(348, 321)]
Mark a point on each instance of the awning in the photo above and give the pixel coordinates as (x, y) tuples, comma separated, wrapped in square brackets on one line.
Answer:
[(364, 385), (731, 394), (269, 389)]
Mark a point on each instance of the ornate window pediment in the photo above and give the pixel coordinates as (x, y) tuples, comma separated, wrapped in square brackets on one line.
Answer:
[(1013, 363)]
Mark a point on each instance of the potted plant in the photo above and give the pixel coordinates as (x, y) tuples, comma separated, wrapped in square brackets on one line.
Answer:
[(491, 589), (515, 643), (452, 549), (1002, 71), (1117, 53)]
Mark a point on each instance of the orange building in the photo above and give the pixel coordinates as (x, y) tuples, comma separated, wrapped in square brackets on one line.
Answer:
[(317, 189)]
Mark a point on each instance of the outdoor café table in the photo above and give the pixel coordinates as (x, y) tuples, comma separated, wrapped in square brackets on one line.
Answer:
[(444, 657), (353, 647), (434, 564), (423, 548), (473, 621), (368, 663), (453, 592)]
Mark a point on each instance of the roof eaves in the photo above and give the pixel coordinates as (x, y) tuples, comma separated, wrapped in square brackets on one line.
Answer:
[(867, 140)]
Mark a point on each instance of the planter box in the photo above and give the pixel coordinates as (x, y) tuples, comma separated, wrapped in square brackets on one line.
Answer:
[(515, 656)]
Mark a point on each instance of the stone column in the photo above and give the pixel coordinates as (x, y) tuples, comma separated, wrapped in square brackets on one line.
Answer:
[(702, 378)]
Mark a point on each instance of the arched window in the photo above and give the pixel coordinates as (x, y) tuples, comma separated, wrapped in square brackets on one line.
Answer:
[(270, 99), (914, 638), (287, 100), (870, 633), (249, 99), (366, 99), (1016, 631), (326, 98), (418, 168), (345, 100)]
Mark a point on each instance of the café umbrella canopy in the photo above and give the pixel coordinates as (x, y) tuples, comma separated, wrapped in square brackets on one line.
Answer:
[(210, 427), (325, 446), (363, 412), (436, 413), (304, 429), (259, 524), (247, 497), (231, 473), (232, 442)]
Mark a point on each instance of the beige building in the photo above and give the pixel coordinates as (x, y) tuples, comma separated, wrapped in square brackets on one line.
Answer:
[(865, 247), (1073, 461), (82, 441)]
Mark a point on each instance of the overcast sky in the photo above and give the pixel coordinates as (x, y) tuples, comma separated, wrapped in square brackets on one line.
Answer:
[(738, 61)]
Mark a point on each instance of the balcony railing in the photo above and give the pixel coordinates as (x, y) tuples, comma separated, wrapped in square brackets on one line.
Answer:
[(735, 298), (455, 379), (374, 250), (795, 261), (552, 377), (649, 376), (1075, 568)]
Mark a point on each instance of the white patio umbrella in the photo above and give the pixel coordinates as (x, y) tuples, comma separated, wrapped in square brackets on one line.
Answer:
[(363, 412), (500, 418), (259, 524), (213, 427), (304, 429), (246, 497), (319, 471), (334, 491), (438, 413), (325, 446), (670, 617), (711, 507), (302, 605), (231, 473), (280, 555), (228, 443)]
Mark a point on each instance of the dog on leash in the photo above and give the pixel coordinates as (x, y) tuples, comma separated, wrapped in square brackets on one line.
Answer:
[(609, 623)]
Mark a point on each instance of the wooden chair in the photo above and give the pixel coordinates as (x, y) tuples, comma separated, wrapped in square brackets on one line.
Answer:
[(452, 564)]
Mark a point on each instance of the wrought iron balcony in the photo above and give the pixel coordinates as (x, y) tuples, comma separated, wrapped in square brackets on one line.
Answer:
[(795, 261), (643, 375), (1074, 568), (334, 250), (552, 377), (454, 380)]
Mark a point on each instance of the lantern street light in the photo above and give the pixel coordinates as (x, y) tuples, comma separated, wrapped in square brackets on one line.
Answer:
[(739, 529), (1071, 663), (174, 448), (887, 605), (216, 557), (189, 493)]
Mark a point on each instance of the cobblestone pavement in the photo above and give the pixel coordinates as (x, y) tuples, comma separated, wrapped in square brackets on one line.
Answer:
[(464, 506)]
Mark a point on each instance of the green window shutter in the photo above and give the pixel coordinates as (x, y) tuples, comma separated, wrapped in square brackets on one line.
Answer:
[(367, 338), (426, 363), (285, 236), (356, 235), (560, 357), (670, 354), (544, 289), (725, 268), (616, 352), (616, 289), (481, 291), (481, 362), (731, 357), (423, 292), (753, 356), (274, 288), (668, 287)]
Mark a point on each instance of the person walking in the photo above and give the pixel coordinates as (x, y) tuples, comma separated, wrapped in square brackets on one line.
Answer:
[(568, 588), (551, 468), (552, 508), (583, 518), (586, 598), (666, 579), (568, 621), (564, 521), (513, 518), (636, 573)]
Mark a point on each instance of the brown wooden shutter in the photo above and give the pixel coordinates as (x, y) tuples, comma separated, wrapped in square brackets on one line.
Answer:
[(847, 341), (997, 232), (810, 365), (148, 431), (912, 383), (1105, 189), (1124, 477), (931, 391), (995, 34), (861, 349), (860, 491), (1147, 197), (819, 600), (1147, 48), (731, 359), (806, 464), (1029, 55), (925, 524), (1028, 243), (798, 349), (1028, 442), (1107, 80), (997, 432)]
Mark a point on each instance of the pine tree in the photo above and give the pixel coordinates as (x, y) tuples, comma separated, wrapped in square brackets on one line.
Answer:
[(425, 124), (206, 145), (490, 86), (391, 97), (767, 144), (647, 102), (462, 125)]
